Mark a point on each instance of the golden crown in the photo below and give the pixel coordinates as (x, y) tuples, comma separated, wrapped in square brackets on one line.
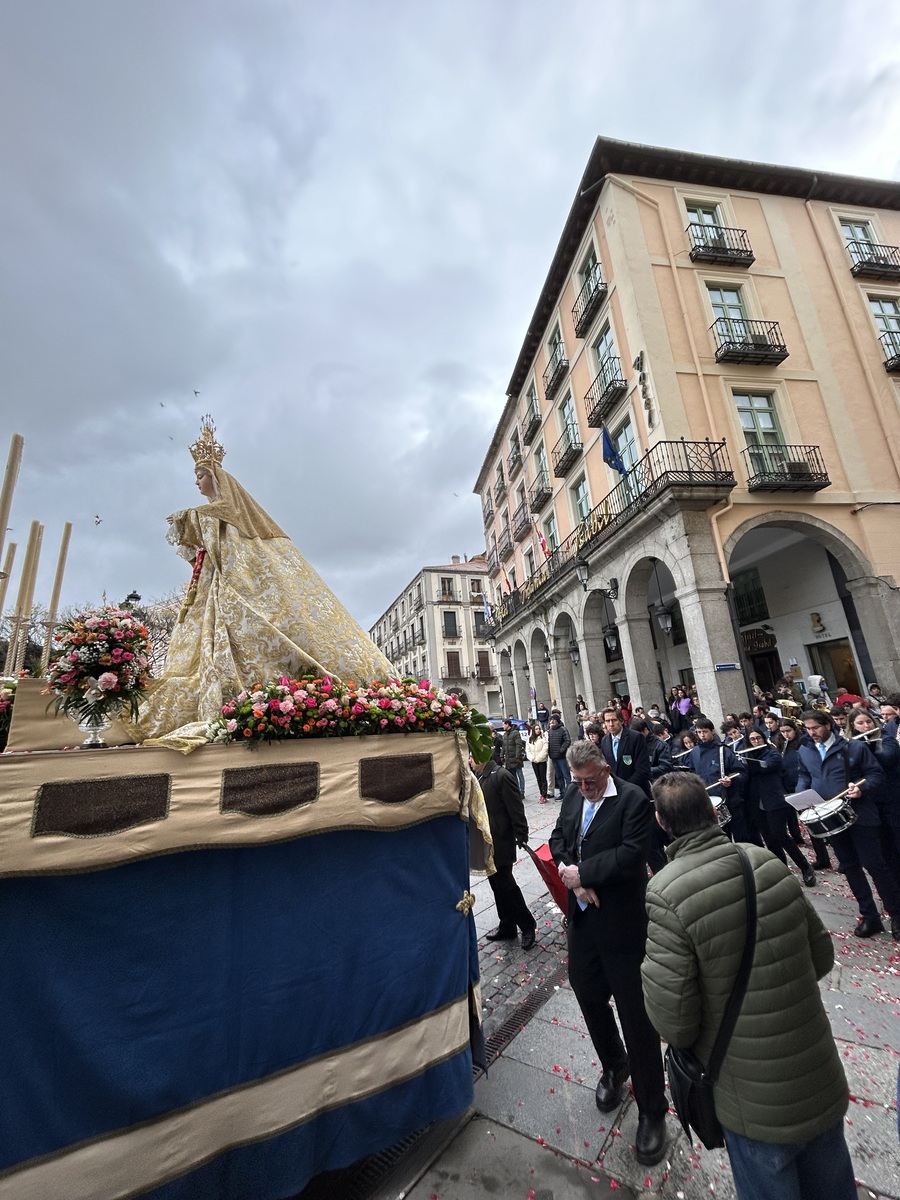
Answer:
[(206, 449)]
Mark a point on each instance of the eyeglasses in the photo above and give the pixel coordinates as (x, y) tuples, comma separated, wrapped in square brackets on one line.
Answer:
[(588, 783)]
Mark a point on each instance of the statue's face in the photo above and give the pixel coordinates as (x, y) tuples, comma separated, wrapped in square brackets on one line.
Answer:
[(205, 484)]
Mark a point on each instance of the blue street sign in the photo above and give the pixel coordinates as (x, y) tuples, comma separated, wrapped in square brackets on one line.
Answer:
[(727, 667)]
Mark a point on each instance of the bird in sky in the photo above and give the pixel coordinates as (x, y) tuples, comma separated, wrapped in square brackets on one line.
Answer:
[(196, 393), (97, 518)]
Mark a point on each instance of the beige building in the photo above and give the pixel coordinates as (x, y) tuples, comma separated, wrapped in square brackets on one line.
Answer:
[(437, 629), (732, 330)]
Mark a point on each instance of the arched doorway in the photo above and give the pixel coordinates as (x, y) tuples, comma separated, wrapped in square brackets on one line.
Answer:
[(808, 603)]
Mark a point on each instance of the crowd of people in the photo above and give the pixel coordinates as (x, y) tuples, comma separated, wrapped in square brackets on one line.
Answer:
[(659, 902)]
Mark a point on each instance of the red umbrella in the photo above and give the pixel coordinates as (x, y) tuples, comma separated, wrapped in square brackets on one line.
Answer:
[(543, 860)]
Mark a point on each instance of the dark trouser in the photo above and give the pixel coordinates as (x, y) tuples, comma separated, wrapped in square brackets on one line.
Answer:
[(860, 847), (794, 825), (793, 1171), (777, 836), (563, 774), (889, 811), (540, 774), (743, 827), (596, 975), (511, 907)]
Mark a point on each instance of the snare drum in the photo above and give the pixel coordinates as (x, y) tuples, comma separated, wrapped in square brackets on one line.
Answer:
[(825, 820), (723, 813)]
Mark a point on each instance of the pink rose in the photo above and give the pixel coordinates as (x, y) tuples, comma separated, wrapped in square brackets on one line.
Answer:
[(107, 681), (383, 722)]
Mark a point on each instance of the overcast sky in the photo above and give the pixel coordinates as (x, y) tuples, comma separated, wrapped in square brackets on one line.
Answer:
[(332, 220)]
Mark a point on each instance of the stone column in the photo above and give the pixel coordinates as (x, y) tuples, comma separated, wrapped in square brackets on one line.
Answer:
[(596, 670), (878, 609), (711, 640), (639, 657), (523, 699), (565, 686)]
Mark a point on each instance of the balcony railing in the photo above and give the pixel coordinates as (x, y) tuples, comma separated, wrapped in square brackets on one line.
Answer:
[(682, 464), (566, 451), (521, 521), (531, 423), (418, 601), (420, 638), (540, 492), (590, 298), (890, 344), (605, 392), (869, 260), (487, 509), (493, 562), (782, 468), (499, 488), (556, 370), (447, 596), (514, 461), (720, 244), (740, 340), (504, 545)]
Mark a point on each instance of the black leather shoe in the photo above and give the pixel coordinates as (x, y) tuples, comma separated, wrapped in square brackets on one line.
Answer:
[(611, 1091), (867, 928), (500, 935), (528, 936), (650, 1143), (809, 877)]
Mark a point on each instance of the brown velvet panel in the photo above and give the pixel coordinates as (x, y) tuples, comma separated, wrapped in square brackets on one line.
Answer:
[(395, 778), (269, 790), (90, 808)]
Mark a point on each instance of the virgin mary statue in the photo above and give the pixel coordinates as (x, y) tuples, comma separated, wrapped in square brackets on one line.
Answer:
[(254, 610)]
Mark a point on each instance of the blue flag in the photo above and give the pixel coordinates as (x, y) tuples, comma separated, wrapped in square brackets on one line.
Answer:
[(487, 608), (611, 456)]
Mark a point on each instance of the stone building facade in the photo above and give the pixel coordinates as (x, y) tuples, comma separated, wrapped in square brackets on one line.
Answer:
[(694, 478)]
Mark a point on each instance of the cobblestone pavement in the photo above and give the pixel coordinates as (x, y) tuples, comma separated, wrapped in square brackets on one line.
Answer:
[(541, 1086)]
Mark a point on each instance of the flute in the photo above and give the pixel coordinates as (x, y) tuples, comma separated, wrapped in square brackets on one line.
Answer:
[(867, 733), (718, 783), (683, 754)]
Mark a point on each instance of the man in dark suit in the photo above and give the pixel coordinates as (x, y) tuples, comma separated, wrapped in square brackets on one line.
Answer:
[(600, 846), (509, 829), (625, 751)]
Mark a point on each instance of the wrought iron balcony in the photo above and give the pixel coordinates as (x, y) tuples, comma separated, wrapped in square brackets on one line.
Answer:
[(605, 392), (694, 466), (499, 488), (869, 260), (504, 545), (531, 423), (487, 508), (418, 601), (590, 298), (521, 521), (447, 596), (540, 492), (781, 468), (740, 340), (420, 638), (566, 451), (514, 461), (890, 344), (720, 244), (493, 562), (556, 370)]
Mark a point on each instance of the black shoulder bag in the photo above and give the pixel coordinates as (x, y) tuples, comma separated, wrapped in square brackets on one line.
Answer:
[(690, 1083)]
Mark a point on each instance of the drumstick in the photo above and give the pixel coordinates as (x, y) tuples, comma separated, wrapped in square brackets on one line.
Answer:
[(858, 783), (733, 775)]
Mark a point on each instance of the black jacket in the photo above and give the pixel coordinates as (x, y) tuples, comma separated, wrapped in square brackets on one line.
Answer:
[(613, 861), (558, 741), (506, 812), (844, 763), (632, 763)]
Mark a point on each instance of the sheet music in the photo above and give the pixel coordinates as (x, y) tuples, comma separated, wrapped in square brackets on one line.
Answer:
[(808, 799)]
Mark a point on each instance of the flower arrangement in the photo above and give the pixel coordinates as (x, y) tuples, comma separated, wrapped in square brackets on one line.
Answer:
[(101, 663), (7, 699), (326, 707)]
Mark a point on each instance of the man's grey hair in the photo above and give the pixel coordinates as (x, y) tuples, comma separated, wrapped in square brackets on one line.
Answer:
[(585, 753)]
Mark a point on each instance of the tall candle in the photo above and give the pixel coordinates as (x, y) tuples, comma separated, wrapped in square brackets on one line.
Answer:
[(16, 444), (6, 572), (54, 598), (15, 654)]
